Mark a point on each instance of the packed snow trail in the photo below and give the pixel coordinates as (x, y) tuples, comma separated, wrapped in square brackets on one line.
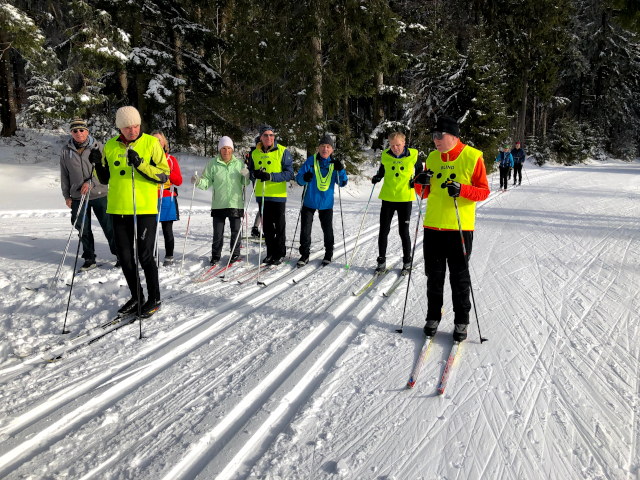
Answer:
[(304, 380)]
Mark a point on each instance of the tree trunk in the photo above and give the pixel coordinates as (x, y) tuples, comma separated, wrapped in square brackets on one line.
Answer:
[(378, 110), (316, 98), (8, 100), (123, 81), (533, 116), (182, 132), (522, 120)]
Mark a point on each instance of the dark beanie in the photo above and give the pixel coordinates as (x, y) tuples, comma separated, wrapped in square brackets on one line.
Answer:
[(447, 124), (265, 127), (327, 139)]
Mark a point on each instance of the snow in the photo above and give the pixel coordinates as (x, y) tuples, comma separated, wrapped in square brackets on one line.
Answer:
[(304, 380)]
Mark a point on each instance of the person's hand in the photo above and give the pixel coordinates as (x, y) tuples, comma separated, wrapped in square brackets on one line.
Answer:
[(244, 172), (307, 176), (85, 188), (375, 179), (95, 156), (68, 201), (338, 165), (194, 179), (424, 177), (453, 188), (134, 158), (262, 175)]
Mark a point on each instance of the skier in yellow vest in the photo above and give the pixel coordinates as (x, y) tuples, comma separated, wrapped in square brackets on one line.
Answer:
[(271, 166), (135, 150), (453, 170), (398, 166)]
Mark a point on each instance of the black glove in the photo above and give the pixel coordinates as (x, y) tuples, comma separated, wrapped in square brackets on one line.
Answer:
[(262, 175), (95, 156), (453, 188), (375, 179), (307, 176), (338, 165), (134, 158), (424, 177)]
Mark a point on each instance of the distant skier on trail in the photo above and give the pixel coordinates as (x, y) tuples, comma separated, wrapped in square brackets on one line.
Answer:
[(226, 175), (505, 162), (319, 174), (518, 162), (453, 170), (134, 165), (398, 166)]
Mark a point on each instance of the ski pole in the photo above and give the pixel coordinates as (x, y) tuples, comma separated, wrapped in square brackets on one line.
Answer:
[(186, 233), (261, 230), (466, 259), (355, 247), (83, 198), (413, 254), (135, 244), (344, 241), (156, 243), (235, 242), (293, 240), (75, 263), (525, 173)]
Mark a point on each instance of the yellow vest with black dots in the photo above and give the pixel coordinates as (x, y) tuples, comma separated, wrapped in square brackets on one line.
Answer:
[(397, 174), (272, 163), (441, 213), (120, 195)]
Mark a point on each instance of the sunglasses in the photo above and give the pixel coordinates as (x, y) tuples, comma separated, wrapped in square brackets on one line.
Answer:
[(76, 130), (437, 135)]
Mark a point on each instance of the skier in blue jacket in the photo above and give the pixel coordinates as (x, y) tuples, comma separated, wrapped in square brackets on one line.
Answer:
[(505, 163), (319, 174)]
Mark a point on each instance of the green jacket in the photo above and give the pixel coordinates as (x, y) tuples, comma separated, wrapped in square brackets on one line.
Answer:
[(226, 181)]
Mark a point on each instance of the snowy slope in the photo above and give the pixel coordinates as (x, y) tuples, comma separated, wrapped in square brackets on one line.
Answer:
[(301, 379)]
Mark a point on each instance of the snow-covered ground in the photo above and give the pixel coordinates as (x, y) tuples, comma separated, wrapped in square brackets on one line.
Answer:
[(303, 380)]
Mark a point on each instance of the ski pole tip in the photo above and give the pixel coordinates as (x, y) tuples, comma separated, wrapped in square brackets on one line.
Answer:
[(399, 330)]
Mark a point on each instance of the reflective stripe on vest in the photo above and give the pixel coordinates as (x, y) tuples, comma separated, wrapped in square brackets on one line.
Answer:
[(441, 213), (323, 183), (397, 174), (120, 195), (272, 163)]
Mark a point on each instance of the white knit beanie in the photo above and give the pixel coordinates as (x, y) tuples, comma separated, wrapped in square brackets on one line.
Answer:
[(127, 116), (225, 142)]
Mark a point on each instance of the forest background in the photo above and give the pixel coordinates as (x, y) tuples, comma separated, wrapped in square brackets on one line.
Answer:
[(562, 76)]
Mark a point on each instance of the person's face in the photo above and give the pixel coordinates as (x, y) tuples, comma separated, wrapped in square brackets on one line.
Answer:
[(446, 141), (79, 134), (226, 153), (397, 145), (267, 138), (130, 133), (162, 143), (325, 150), (517, 144)]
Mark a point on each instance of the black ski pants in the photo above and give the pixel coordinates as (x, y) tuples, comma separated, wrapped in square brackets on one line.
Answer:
[(504, 181), (169, 241), (326, 222), (273, 226), (443, 248), (404, 217), (123, 228), (517, 173), (99, 207), (218, 235)]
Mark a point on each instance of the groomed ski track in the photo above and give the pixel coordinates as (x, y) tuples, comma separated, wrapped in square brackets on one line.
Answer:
[(304, 380)]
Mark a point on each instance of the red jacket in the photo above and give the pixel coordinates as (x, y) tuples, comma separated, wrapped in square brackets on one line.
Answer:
[(175, 177)]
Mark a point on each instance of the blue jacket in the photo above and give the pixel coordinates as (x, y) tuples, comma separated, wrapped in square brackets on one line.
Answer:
[(314, 198), (505, 159), (518, 155)]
